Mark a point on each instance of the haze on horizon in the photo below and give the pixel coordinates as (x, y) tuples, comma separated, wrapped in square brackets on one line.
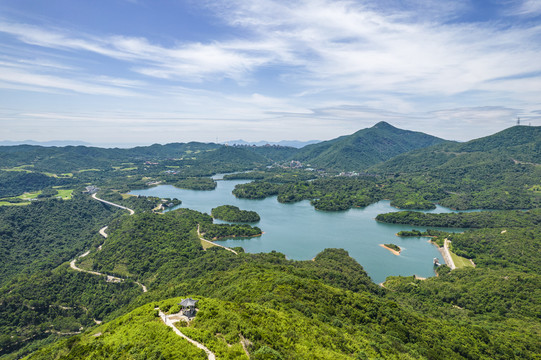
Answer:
[(142, 72)]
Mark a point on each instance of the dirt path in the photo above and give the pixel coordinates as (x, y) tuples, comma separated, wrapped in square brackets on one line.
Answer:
[(108, 278), (170, 323), (102, 231), (104, 234), (142, 286), (525, 163), (213, 243)]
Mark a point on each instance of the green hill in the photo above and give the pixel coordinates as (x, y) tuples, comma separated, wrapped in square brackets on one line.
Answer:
[(240, 157), (273, 152), (364, 148), (519, 144), (500, 171), (72, 158)]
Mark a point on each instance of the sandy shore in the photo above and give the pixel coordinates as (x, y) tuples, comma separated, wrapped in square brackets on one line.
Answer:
[(391, 250)]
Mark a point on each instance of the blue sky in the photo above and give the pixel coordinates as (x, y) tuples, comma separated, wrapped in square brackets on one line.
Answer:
[(142, 72)]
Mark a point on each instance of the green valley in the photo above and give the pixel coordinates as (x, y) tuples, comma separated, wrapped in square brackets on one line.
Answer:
[(134, 270)]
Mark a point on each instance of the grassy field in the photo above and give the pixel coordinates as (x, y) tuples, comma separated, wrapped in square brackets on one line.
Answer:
[(25, 196), (65, 194), (85, 263), (19, 168), (7, 203), (460, 261), (24, 168), (66, 175), (29, 195), (207, 244)]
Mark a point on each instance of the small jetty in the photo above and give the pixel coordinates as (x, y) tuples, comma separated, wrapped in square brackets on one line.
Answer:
[(436, 262)]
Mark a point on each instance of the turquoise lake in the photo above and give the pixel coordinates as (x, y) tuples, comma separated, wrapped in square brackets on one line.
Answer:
[(301, 232)]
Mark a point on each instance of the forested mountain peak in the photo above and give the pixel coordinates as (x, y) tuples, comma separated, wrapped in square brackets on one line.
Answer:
[(365, 147), (384, 125)]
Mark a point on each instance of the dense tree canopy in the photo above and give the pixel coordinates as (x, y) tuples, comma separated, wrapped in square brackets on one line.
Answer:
[(234, 214)]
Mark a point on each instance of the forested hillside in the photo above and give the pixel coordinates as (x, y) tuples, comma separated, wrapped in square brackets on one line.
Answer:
[(484, 177), (47, 233), (73, 158), (325, 308)]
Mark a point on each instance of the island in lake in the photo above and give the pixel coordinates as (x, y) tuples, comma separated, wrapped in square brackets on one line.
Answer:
[(395, 249), (234, 214)]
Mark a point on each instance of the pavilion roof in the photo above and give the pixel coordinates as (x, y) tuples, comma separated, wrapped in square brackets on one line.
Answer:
[(188, 302)]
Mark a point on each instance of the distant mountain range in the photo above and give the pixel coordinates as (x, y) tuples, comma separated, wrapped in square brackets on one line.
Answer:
[(290, 143), (381, 148), (44, 143)]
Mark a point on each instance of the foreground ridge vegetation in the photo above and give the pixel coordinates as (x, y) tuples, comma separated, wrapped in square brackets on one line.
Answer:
[(327, 308)]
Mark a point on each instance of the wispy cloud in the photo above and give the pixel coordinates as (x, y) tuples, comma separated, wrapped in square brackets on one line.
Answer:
[(188, 62), (338, 46), (345, 46), (528, 8), (27, 75)]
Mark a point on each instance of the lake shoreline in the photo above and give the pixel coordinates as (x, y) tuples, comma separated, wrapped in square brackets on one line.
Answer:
[(300, 232), (234, 236)]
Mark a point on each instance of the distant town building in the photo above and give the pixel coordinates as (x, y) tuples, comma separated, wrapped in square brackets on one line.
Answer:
[(295, 164), (91, 189)]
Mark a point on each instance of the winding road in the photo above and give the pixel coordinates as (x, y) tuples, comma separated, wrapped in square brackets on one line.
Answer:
[(109, 278), (112, 204), (213, 243)]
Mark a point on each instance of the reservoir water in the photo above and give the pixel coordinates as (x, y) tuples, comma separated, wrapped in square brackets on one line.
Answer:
[(301, 232)]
